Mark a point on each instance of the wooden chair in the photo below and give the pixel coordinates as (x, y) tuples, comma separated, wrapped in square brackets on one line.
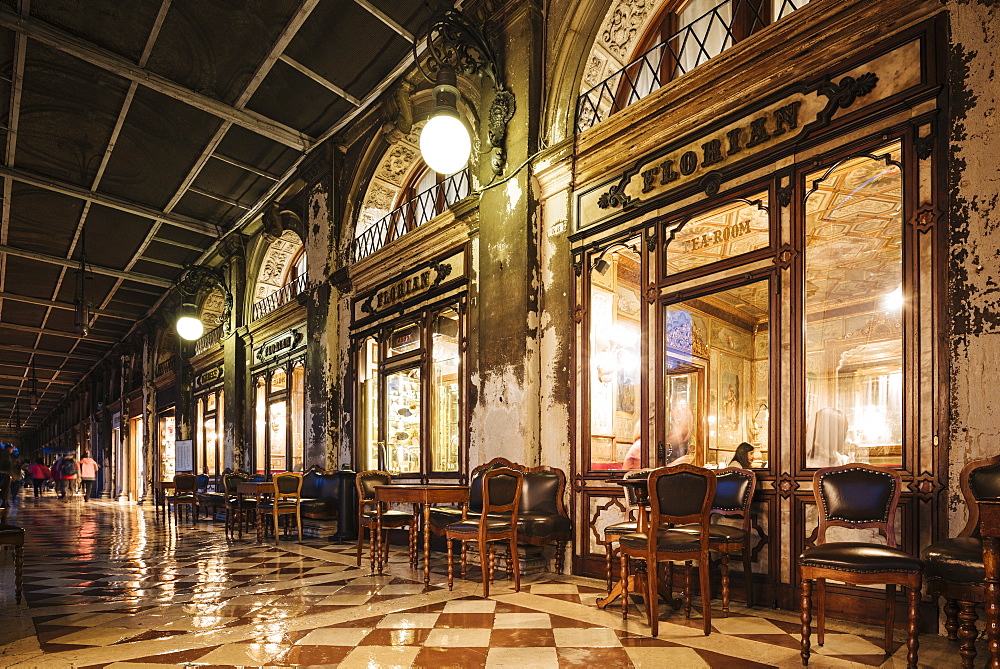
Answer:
[(236, 512), (734, 488), (284, 502), (954, 567), (365, 483), (501, 497), (678, 494), (859, 496), (12, 535), (635, 496), (185, 494)]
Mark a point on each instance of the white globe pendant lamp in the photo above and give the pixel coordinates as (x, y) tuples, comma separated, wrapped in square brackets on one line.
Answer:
[(445, 143), (189, 326)]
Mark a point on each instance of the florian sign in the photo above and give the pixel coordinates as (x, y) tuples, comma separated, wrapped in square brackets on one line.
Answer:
[(704, 159), (280, 345), (209, 376), (410, 287)]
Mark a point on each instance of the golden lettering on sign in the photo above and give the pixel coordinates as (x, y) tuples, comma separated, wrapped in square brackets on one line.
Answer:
[(716, 237)]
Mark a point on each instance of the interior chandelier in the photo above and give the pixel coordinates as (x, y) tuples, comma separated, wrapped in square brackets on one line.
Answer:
[(454, 45)]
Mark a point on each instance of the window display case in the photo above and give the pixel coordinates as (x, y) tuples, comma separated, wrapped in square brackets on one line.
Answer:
[(279, 418), (409, 394)]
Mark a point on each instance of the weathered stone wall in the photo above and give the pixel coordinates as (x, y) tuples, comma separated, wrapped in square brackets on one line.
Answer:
[(974, 238)]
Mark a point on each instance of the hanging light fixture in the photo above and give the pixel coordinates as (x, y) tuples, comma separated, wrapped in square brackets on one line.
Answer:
[(33, 391), (81, 309), (453, 44), (195, 280), (189, 325)]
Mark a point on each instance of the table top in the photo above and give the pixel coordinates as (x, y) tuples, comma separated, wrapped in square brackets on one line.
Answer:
[(422, 493), (638, 481), (254, 486), (163, 485)]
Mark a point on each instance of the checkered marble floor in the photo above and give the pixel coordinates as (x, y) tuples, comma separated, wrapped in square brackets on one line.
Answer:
[(107, 586)]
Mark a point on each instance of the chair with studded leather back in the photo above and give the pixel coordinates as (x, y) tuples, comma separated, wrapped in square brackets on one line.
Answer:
[(635, 496), (237, 510), (498, 522), (677, 495), (365, 484), (859, 496), (285, 501), (954, 567), (733, 495)]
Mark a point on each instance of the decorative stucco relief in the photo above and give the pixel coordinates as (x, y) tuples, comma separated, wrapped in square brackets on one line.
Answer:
[(275, 265), (622, 28), (393, 168)]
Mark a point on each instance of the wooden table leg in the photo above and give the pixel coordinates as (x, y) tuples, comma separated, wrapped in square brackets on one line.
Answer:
[(378, 537), (991, 563), (427, 544)]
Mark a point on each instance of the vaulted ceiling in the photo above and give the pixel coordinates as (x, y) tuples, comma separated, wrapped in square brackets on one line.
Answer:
[(149, 129)]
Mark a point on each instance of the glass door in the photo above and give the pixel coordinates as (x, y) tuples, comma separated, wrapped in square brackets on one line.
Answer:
[(402, 421)]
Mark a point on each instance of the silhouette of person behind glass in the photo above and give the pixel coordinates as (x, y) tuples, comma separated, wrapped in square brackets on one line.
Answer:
[(829, 436)]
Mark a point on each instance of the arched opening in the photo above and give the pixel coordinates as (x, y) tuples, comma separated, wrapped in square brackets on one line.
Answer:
[(282, 274)]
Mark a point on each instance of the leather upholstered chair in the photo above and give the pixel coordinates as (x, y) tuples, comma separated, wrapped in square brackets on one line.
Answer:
[(678, 494), (635, 496), (365, 483), (734, 488), (12, 535), (285, 501), (859, 496), (236, 512), (185, 494), (498, 522), (953, 568)]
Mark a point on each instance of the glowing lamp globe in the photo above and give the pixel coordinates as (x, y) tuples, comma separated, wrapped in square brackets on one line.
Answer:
[(190, 328), (445, 143)]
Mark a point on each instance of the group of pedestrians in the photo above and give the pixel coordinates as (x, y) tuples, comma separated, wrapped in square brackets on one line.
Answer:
[(67, 474)]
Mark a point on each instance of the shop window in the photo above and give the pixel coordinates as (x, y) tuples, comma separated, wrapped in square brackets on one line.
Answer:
[(279, 438), (445, 388), (409, 398), (368, 404), (725, 232), (210, 424), (167, 438), (853, 312), (615, 358), (715, 387)]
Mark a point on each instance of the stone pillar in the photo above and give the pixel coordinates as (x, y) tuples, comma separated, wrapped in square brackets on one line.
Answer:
[(973, 238), (234, 356), (505, 377)]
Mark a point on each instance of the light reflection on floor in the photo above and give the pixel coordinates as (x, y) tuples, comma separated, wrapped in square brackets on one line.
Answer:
[(106, 585)]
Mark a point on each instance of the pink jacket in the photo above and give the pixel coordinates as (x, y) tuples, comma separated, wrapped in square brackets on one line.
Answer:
[(88, 468)]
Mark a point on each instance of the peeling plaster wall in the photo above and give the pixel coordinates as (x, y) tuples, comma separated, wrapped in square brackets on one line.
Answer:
[(974, 239)]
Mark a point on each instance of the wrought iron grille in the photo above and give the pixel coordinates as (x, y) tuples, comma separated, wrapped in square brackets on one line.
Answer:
[(700, 40), (208, 340), (411, 215), (283, 295)]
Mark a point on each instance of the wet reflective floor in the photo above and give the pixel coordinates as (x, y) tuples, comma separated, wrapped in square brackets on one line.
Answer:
[(107, 586)]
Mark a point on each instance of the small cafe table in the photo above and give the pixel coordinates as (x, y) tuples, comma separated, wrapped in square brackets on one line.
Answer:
[(989, 530), (422, 494), (637, 578), (256, 489), (160, 489)]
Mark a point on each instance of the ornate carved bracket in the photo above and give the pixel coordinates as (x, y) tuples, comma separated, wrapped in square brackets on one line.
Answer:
[(197, 279), (842, 95)]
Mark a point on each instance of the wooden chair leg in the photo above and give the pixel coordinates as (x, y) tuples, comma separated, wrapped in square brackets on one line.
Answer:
[(821, 610), (560, 556), (951, 618), (805, 610), (275, 516), (361, 534), (451, 562), (890, 615), (514, 564), (670, 583), (486, 567), (465, 559), (705, 574), (687, 589), (913, 625), (623, 558), (371, 544), (298, 522), (653, 595), (748, 575), (725, 586), (18, 571), (967, 633)]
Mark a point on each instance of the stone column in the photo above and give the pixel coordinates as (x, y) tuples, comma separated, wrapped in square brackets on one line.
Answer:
[(505, 372), (234, 355)]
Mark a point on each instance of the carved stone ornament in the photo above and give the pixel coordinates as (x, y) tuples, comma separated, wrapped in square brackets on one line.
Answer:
[(443, 270), (621, 30), (500, 114), (651, 240), (785, 195)]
